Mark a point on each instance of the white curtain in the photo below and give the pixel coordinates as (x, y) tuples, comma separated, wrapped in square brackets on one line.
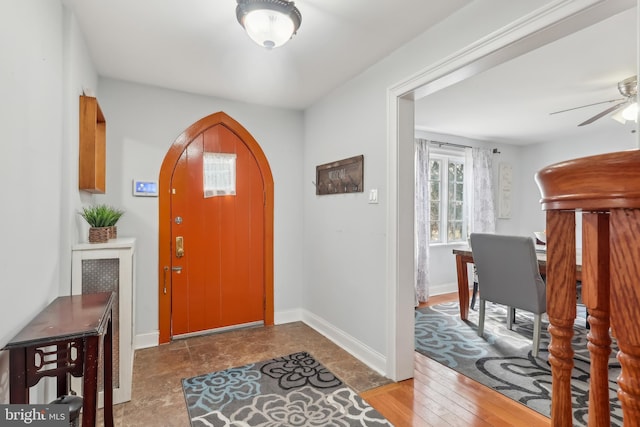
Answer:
[(482, 215), (422, 219)]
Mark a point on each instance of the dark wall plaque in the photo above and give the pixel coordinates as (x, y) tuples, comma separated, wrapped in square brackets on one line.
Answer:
[(343, 176)]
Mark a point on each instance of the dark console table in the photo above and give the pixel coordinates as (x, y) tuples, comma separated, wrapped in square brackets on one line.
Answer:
[(81, 323)]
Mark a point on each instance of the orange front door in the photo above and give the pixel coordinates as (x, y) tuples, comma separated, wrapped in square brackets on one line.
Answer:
[(216, 241)]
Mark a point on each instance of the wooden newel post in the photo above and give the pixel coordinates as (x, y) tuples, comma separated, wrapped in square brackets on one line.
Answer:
[(561, 308), (625, 307), (606, 190), (595, 295)]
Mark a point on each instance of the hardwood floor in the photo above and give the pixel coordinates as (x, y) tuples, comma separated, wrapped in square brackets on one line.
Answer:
[(438, 396)]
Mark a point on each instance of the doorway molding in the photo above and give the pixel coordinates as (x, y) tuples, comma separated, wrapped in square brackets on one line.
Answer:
[(164, 214), (549, 23)]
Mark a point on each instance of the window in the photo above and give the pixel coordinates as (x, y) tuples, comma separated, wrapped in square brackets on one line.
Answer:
[(447, 215), (219, 174)]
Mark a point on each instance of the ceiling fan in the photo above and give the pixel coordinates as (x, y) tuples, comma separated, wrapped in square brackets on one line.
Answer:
[(628, 89)]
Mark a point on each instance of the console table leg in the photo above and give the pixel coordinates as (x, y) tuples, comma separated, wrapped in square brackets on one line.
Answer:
[(62, 380), (18, 388), (108, 375), (90, 389)]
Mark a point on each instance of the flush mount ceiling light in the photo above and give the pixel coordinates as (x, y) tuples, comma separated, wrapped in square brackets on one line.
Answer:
[(269, 23)]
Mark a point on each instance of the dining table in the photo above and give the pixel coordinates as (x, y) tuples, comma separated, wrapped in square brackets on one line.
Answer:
[(464, 256)]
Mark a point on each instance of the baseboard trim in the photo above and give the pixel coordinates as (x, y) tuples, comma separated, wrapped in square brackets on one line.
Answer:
[(287, 316), (351, 345), (151, 339), (443, 288), (356, 348)]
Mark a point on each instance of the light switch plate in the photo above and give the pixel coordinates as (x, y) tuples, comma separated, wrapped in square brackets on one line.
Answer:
[(373, 195)]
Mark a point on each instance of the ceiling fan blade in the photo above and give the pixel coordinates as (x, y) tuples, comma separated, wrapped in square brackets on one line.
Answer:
[(603, 113), (588, 105)]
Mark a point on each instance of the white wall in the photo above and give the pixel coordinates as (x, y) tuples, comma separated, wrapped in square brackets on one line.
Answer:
[(594, 141), (345, 237), (142, 123), (79, 77), (44, 62)]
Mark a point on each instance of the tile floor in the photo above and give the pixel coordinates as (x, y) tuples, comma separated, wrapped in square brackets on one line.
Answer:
[(157, 398)]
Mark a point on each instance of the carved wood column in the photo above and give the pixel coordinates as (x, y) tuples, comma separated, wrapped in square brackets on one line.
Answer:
[(561, 308), (595, 296), (625, 307), (601, 185)]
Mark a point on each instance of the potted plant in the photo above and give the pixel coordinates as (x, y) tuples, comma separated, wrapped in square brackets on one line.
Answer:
[(114, 216), (102, 220)]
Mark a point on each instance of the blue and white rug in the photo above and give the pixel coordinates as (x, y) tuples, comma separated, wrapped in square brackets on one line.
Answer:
[(502, 359), (293, 390)]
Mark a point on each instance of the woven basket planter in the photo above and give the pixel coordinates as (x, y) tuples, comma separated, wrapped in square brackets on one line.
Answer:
[(99, 234), (113, 232)]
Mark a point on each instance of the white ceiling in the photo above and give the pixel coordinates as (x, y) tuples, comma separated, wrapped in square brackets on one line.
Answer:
[(198, 46), (511, 102)]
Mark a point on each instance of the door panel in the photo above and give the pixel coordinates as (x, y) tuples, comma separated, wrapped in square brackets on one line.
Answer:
[(222, 277), (180, 298), (241, 231), (213, 246)]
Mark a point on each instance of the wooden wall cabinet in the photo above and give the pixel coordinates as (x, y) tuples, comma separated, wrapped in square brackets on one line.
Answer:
[(92, 161)]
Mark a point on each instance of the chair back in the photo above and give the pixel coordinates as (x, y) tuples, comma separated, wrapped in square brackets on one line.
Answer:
[(508, 271)]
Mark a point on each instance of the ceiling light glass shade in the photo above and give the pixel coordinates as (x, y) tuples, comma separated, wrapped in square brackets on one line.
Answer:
[(618, 117), (631, 112), (270, 23)]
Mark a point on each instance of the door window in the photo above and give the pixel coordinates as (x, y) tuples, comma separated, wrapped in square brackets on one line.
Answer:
[(219, 170)]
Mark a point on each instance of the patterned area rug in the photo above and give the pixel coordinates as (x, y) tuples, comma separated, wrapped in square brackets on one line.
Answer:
[(502, 359), (293, 390)]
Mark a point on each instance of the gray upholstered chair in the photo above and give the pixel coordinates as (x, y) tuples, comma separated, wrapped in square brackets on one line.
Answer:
[(508, 274)]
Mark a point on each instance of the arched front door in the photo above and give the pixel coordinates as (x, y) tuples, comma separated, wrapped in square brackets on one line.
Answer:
[(215, 230)]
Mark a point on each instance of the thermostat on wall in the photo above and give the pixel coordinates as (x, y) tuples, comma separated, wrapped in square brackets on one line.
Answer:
[(145, 188)]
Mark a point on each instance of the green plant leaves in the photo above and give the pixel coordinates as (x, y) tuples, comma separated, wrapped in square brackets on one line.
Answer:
[(101, 215)]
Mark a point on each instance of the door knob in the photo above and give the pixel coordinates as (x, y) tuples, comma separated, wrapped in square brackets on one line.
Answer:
[(179, 247)]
